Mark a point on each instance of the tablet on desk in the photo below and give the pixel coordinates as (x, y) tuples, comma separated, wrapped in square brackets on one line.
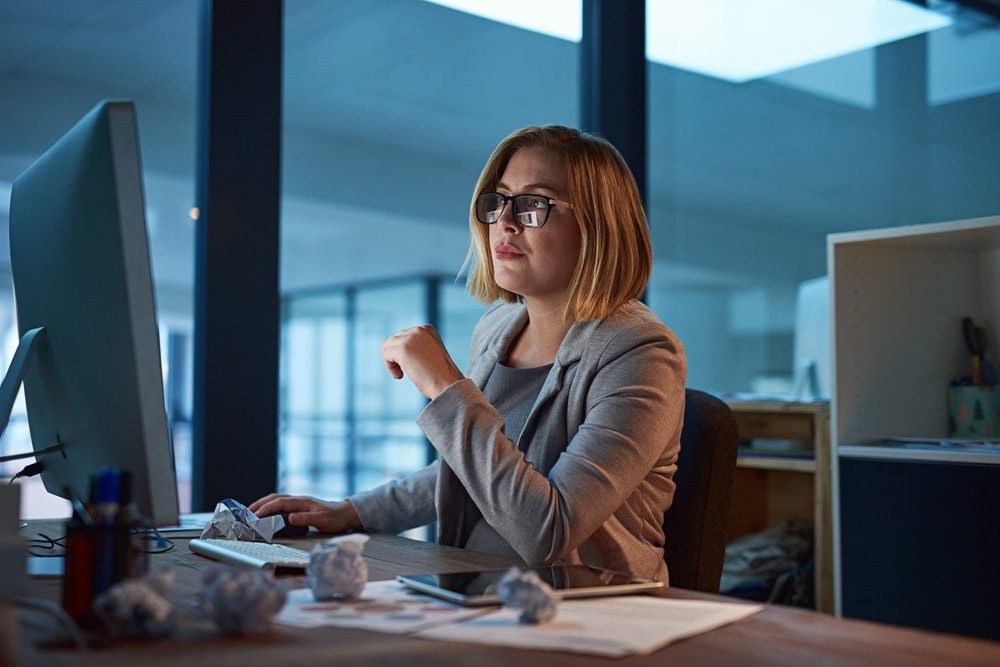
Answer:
[(473, 589)]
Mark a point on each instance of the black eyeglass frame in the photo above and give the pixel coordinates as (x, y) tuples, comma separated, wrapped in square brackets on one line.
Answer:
[(512, 200)]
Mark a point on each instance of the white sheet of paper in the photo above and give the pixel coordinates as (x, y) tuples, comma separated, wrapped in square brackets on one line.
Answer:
[(608, 626), (385, 606)]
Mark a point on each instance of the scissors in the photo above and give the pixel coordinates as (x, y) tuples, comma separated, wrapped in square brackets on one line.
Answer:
[(983, 372)]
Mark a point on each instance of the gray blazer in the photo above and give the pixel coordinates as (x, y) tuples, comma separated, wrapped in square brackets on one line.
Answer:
[(589, 477)]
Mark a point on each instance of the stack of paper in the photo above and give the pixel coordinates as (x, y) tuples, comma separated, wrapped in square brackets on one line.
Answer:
[(615, 626)]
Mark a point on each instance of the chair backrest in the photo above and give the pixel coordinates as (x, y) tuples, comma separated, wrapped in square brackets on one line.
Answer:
[(697, 522)]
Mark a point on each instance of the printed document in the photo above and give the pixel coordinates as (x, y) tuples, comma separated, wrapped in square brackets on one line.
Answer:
[(607, 626)]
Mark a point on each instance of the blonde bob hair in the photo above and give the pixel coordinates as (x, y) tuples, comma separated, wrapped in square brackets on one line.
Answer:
[(615, 251)]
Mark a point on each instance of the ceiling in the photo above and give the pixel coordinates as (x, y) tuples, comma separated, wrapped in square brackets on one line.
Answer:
[(392, 106)]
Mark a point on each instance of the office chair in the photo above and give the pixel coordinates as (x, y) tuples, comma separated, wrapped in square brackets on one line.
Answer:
[(697, 523)]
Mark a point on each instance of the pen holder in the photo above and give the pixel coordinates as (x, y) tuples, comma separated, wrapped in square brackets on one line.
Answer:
[(974, 411), (97, 557)]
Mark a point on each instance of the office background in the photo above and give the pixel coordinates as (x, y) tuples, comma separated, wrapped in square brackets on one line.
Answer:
[(390, 108)]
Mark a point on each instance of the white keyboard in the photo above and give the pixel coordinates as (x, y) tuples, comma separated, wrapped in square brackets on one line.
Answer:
[(251, 554)]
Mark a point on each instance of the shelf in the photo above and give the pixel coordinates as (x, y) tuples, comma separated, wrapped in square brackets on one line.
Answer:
[(922, 454), (777, 406), (898, 297), (775, 463), (770, 487)]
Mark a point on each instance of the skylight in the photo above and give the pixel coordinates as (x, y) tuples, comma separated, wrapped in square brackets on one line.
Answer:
[(734, 40), (557, 18), (739, 41)]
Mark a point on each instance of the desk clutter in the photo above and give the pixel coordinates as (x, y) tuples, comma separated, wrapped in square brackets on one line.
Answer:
[(337, 570), (525, 592), (103, 543), (105, 557), (249, 601), (243, 601), (428, 631), (613, 627), (238, 601), (232, 520), (775, 565)]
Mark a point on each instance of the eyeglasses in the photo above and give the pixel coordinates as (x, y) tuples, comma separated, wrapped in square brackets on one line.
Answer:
[(529, 210)]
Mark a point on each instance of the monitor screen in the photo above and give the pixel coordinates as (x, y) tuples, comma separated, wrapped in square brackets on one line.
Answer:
[(80, 264)]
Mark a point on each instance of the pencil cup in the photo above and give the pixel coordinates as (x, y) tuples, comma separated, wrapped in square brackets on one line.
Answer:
[(97, 557), (974, 411)]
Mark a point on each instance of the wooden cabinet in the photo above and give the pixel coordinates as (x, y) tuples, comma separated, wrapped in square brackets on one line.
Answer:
[(772, 486)]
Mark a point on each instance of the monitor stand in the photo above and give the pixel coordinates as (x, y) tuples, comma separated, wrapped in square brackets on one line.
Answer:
[(15, 374), (11, 384)]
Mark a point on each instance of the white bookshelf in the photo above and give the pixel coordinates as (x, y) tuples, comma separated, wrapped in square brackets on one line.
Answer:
[(897, 299)]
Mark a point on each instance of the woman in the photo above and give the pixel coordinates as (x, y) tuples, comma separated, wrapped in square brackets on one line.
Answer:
[(561, 443)]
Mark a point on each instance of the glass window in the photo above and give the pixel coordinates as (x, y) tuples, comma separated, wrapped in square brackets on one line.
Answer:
[(384, 137), (389, 443), (60, 60), (313, 396), (346, 425), (746, 181), (459, 314)]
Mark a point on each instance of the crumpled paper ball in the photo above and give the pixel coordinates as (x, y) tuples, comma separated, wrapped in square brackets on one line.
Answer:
[(336, 569), (232, 520), (139, 607), (242, 601), (525, 591)]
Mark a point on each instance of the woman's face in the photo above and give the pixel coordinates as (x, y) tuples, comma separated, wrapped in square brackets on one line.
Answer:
[(536, 263)]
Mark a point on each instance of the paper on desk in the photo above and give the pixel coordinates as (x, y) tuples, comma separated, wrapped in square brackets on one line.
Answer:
[(232, 520), (384, 606), (613, 627)]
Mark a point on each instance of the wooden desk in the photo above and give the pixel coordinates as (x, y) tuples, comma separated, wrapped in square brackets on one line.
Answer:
[(776, 636)]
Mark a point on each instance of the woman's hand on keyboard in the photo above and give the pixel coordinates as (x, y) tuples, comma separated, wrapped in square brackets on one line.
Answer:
[(325, 516)]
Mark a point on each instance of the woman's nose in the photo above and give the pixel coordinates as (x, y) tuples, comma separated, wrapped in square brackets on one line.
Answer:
[(507, 222)]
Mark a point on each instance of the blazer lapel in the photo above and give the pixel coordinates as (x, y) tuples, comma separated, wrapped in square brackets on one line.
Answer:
[(483, 364)]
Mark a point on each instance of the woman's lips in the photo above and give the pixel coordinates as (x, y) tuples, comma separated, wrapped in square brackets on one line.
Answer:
[(505, 252)]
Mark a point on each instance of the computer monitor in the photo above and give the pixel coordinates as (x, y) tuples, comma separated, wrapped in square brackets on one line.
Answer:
[(80, 266), (812, 353)]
